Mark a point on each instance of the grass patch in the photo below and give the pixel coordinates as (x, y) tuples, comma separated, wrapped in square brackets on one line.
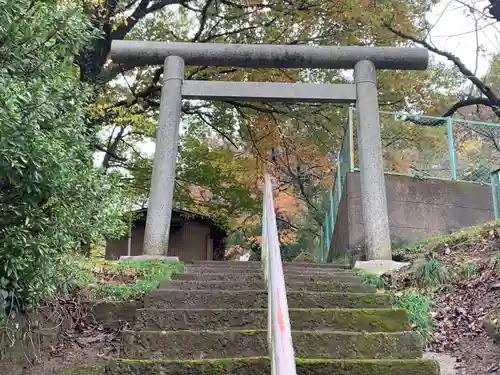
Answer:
[(343, 260), (419, 307), (468, 270), (115, 280), (461, 238), (136, 277), (370, 278), (431, 273)]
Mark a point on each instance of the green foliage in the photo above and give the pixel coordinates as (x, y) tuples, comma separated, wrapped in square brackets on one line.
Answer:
[(431, 273), (419, 307), (468, 270), (148, 276), (220, 178), (71, 274), (51, 197)]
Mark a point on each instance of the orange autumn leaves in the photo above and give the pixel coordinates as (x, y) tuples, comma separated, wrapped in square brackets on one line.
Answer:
[(291, 144), (284, 151), (286, 207)]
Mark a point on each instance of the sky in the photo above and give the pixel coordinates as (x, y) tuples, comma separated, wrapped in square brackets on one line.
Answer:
[(455, 32)]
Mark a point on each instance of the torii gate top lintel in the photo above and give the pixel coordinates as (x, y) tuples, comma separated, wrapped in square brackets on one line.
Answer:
[(142, 53)]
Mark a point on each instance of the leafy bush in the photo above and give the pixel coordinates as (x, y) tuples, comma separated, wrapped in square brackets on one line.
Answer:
[(51, 196), (431, 273), (419, 307)]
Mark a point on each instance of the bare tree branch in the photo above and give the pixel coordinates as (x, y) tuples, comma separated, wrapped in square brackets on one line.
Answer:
[(207, 122), (203, 20), (494, 9), (144, 8), (108, 152), (491, 99)]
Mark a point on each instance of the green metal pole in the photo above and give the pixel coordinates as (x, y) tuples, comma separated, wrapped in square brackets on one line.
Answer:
[(319, 251), (339, 185), (325, 249), (451, 148), (332, 210), (327, 232)]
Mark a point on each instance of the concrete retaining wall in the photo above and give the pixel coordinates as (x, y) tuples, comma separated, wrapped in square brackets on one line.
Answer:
[(417, 209)]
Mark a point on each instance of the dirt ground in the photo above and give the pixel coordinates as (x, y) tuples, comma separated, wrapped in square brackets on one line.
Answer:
[(78, 349), (478, 356), (85, 343)]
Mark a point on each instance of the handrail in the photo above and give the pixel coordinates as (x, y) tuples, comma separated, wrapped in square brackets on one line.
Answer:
[(279, 333)]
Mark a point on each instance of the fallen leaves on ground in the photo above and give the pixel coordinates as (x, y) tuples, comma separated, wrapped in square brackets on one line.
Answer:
[(461, 313)]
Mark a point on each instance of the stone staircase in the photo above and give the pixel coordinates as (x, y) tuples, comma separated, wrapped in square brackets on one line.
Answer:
[(212, 320)]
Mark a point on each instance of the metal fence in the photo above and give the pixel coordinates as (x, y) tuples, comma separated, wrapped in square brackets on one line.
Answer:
[(345, 163), (422, 147), (278, 323), (437, 147)]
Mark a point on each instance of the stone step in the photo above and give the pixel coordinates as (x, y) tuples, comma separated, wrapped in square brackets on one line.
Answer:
[(258, 366), (250, 299), (246, 277), (234, 344), (295, 270), (258, 265), (320, 286), (362, 320)]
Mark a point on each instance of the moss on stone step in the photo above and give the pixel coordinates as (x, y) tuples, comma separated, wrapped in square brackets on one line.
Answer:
[(363, 320), (258, 265), (304, 285), (248, 299), (245, 276), (250, 343), (252, 366), (287, 271)]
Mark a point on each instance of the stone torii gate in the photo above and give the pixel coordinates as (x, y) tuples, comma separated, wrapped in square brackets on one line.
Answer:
[(364, 61)]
